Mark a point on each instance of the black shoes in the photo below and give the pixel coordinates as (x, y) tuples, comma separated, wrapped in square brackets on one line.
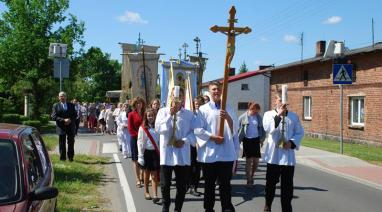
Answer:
[(267, 209)]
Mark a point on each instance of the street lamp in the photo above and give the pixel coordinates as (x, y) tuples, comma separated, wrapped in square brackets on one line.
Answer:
[(58, 51)]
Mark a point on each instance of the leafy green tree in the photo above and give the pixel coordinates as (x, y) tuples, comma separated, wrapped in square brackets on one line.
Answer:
[(97, 73), (243, 68), (27, 27)]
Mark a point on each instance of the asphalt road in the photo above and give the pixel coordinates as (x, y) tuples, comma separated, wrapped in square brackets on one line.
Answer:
[(313, 191)]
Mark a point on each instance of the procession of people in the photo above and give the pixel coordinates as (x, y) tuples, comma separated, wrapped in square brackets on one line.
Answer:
[(172, 141)]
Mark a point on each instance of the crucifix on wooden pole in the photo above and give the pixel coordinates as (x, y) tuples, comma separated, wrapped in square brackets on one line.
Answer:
[(231, 31)]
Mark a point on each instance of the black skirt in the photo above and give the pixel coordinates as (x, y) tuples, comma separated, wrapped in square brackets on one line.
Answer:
[(134, 148), (151, 160), (251, 147)]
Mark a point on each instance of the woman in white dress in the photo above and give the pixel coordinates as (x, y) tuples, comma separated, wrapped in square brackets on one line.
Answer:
[(122, 131)]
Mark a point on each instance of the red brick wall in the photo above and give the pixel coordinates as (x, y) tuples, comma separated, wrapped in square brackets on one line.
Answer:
[(326, 96)]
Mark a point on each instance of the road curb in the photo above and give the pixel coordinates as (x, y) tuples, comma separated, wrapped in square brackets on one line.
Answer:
[(340, 174)]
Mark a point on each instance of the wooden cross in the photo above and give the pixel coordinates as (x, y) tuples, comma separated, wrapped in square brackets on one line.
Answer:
[(231, 31)]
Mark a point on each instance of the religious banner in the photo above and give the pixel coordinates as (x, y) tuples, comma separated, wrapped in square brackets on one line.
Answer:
[(174, 73), (188, 98)]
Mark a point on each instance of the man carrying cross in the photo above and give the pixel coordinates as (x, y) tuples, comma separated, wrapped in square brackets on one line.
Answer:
[(217, 130)]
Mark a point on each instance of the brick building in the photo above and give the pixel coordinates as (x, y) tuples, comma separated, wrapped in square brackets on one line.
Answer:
[(312, 95)]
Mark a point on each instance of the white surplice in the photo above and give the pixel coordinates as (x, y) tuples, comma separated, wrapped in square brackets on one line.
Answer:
[(208, 124), (185, 123), (293, 131)]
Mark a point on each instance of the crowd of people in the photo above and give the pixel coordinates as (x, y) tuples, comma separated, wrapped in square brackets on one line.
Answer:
[(172, 139)]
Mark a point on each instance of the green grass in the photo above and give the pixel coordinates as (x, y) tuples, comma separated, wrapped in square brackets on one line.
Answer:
[(78, 183), (365, 152), (51, 141)]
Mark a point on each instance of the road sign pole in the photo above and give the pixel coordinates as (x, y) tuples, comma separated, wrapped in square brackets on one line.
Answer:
[(60, 76), (341, 120)]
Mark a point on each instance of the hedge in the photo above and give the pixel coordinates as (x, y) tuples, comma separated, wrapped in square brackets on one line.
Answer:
[(33, 123), (44, 118), (11, 118)]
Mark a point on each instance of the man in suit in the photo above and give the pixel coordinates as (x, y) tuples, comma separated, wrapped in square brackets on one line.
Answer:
[(65, 115)]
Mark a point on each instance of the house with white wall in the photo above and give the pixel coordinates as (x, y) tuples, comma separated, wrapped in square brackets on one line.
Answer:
[(246, 87)]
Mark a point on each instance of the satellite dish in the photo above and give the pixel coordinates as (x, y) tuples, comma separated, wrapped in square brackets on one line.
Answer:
[(330, 49)]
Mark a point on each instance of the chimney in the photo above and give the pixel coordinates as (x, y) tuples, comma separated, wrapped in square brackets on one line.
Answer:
[(320, 48)]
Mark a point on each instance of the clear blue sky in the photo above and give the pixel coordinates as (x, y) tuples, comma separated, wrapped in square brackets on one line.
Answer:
[(276, 25)]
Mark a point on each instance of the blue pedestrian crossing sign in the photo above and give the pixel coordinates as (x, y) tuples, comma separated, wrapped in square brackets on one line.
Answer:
[(342, 73)]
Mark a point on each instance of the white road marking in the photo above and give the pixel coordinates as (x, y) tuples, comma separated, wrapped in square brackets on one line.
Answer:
[(130, 206), (109, 148)]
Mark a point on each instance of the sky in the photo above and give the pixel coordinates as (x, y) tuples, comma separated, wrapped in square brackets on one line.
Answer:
[(276, 27)]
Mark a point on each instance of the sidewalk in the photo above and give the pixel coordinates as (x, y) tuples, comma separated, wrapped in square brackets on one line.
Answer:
[(341, 165), (85, 145)]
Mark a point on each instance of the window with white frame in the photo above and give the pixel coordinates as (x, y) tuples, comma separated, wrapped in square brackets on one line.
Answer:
[(307, 107), (357, 110)]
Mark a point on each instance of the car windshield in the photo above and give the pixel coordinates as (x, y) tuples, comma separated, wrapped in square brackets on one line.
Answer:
[(9, 186)]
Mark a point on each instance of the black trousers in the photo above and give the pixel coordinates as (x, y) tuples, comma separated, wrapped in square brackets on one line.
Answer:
[(222, 171), (195, 169), (62, 146), (181, 175), (274, 172)]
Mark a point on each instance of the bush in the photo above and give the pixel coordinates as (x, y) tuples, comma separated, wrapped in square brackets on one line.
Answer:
[(44, 119), (24, 118), (11, 118), (33, 123)]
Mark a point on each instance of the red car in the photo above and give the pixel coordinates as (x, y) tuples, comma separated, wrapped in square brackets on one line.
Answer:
[(26, 173)]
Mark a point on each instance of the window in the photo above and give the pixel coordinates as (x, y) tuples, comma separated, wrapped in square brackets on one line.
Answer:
[(40, 150), (242, 106), (244, 87), (10, 189), (33, 165), (307, 107), (357, 111)]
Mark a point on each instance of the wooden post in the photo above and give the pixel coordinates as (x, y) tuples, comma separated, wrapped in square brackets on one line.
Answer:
[(144, 75), (231, 31)]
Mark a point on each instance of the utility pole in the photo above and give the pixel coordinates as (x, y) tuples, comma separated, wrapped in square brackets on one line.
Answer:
[(185, 46), (372, 31), (302, 45)]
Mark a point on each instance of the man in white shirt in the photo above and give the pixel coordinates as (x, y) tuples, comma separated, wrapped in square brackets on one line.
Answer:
[(175, 157), (281, 158), (217, 154)]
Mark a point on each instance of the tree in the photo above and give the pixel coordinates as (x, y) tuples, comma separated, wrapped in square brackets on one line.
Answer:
[(97, 73), (27, 28), (243, 68)]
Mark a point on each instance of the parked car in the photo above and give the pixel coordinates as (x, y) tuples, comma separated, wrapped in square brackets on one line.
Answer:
[(26, 172)]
